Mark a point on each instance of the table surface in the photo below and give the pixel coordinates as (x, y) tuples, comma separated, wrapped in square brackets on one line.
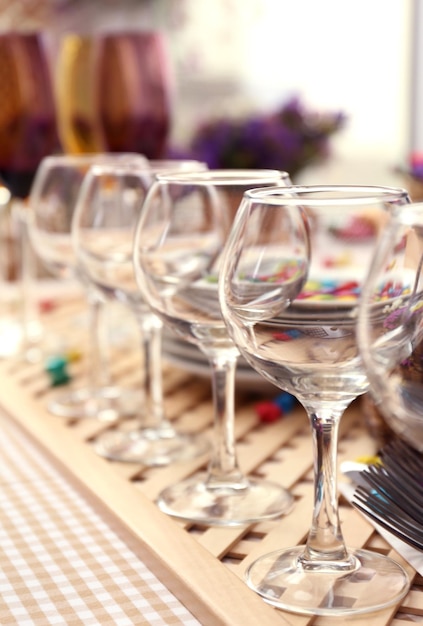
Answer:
[(82, 540), (61, 562)]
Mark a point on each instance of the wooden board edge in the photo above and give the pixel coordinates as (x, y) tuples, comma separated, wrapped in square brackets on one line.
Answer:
[(213, 593)]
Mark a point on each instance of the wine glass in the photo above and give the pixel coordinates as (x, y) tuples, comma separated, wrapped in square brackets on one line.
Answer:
[(52, 203), (27, 134), (303, 339), (103, 228), (179, 237), (77, 94), (390, 324), (134, 90), (27, 113), (113, 92)]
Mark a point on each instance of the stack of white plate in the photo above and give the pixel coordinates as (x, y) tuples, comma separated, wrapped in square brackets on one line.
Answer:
[(190, 358)]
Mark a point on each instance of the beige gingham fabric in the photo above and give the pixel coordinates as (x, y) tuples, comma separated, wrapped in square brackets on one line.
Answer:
[(60, 562)]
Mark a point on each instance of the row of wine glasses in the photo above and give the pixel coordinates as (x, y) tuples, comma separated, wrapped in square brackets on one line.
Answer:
[(281, 287), (52, 204), (104, 92), (290, 278), (180, 236), (293, 317), (107, 207)]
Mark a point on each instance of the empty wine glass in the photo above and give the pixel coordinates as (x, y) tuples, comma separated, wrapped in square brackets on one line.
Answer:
[(303, 339), (51, 206), (27, 134), (390, 324), (179, 237), (103, 228)]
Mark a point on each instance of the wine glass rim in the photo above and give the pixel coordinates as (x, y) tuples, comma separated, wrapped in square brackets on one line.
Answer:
[(224, 177), (171, 163), (93, 158), (151, 168), (317, 195)]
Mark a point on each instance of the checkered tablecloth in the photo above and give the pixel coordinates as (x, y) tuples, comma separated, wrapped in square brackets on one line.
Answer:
[(60, 562)]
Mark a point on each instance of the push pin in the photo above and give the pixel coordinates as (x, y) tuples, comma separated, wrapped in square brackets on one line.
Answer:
[(270, 411), (46, 305), (56, 368), (73, 355)]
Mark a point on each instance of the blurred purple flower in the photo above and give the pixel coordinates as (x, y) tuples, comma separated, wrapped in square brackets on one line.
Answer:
[(289, 139), (416, 170)]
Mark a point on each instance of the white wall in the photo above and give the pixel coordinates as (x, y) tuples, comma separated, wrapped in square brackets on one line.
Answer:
[(348, 55)]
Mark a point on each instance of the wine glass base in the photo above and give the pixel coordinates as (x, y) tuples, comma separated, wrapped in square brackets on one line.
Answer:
[(192, 500), (106, 404), (376, 583), (153, 447)]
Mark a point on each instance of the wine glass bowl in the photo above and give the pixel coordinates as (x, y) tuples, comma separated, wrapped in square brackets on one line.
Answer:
[(27, 113), (134, 98), (390, 322), (178, 242), (113, 92), (292, 312)]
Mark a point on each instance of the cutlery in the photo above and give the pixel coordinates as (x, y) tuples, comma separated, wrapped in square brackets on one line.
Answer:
[(391, 492)]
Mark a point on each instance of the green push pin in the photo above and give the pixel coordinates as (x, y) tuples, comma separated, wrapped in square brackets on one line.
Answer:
[(56, 368)]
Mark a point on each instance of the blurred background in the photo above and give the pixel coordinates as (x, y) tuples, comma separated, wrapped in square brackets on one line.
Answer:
[(230, 59), (330, 92)]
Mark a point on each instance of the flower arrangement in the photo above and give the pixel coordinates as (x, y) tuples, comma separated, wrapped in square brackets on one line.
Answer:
[(289, 139), (413, 176), (415, 167)]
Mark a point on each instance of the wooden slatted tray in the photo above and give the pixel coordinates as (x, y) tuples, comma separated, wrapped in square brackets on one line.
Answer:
[(203, 566)]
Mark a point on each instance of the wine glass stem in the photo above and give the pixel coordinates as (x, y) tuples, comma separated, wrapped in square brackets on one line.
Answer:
[(98, 370), (223, 467), (151, 346), (31, 326), (325, 541)]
